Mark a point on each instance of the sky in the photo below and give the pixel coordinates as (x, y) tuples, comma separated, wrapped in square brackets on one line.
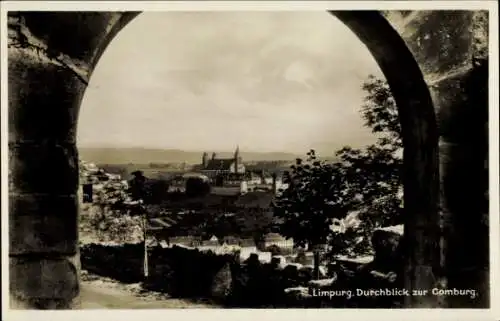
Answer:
[(266, 81)]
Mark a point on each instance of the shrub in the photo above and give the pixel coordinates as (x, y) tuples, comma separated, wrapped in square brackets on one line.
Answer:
[(222, 283), (274, 249)]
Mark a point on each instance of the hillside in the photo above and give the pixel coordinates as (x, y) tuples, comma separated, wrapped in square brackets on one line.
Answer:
[(107, 155)]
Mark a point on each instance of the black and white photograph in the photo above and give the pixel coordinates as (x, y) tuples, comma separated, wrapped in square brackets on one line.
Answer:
[(258, 156)]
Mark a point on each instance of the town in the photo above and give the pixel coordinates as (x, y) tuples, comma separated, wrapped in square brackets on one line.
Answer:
[(220, 206), (219, 183)]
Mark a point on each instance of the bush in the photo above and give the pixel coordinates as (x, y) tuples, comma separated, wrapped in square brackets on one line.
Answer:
[(174, 270), (196, 187), (274, 249), (222, 283), (301, 258)]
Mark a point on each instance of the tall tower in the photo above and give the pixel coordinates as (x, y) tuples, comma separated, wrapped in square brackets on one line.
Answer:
[(237, 159), (204, 160)]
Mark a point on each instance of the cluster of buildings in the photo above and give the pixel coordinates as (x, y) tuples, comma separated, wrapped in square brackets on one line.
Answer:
[(228, 176)]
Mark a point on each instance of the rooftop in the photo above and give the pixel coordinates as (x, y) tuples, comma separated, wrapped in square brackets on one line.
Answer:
[(219, 164)]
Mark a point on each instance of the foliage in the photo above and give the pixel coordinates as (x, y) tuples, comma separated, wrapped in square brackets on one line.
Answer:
[(256, 223), (373, 175), (107, 218), (137, 186), (197, 187), (157, 191), (380, 113), (221, 284), (112, 216), (222, 226), (362, 180), (311, 202)]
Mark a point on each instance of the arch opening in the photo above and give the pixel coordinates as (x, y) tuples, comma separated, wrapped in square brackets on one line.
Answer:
[(420, 139), (55, 148)]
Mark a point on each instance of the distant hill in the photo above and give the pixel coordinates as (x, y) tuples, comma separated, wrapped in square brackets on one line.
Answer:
[(106, 155)]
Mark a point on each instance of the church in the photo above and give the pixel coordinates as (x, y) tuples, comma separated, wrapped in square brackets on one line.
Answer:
[(222, 169)]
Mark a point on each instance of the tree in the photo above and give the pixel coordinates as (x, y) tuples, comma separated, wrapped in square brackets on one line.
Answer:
[(157, 191), (313, 199), (137, 189), (255, 223), (373, 174), (105, 218), (197, 187), (119, 214), (365, 180), (221, 226), (380, 113)]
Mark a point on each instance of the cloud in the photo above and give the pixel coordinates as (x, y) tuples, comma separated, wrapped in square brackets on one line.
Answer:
[(210, 80)]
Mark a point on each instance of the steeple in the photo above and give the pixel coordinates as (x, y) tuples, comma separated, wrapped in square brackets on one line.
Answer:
[(204, 160), (237, 159), (237, 152)]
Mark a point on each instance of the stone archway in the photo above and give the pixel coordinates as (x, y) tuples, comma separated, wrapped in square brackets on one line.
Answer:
[(51, 57)]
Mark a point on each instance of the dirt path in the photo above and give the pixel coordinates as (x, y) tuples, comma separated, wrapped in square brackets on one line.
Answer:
[(102, 293)]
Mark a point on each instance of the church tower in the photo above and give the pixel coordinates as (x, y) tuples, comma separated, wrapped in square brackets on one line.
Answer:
[(204, 160), (237, 159)]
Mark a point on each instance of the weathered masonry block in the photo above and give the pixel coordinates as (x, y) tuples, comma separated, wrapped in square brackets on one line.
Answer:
[(452, 50)]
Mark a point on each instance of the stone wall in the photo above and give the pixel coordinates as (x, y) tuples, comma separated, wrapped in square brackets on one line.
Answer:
[(177, 271), (47, 73), (223, 278), (451, 48), (237, 282)]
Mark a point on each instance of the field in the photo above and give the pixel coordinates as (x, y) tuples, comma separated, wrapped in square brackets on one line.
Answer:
[(154, 171)]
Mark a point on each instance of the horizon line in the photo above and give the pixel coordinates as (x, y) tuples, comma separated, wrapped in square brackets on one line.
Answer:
[(242, 150)]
